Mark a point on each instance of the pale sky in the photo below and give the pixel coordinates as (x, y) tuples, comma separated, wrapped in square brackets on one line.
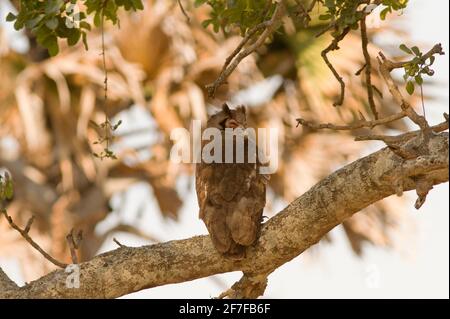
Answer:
[(335, 272)]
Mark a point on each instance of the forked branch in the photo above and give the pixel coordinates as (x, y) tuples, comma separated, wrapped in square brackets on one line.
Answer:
[(26, 236)]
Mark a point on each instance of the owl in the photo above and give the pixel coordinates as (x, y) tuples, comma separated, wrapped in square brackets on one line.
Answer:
[(231, 196)]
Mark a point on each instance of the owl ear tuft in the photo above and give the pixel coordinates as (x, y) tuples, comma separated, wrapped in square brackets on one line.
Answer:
[(241, 108), (225, 108)]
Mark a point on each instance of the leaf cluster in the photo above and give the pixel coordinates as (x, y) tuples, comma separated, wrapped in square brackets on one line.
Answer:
[(243, 14), (50, 20), (416, 67)]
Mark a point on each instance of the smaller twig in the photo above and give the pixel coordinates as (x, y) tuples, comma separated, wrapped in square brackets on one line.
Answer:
[(359, 124), (118, 243), (243, 42), (423, 102), (29, 223), (334, 46), (304, 13), (240, 53), (131, 230), (72, 247), (73, 242), (377, 90), (390, 65), (385, 69), (326, 29), (183, 11), (386, 66), (24, 233), (405, 136), (360, 70), (368, 68)]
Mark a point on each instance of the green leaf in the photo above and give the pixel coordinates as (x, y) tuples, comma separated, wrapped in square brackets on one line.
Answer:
[(6, 187), (384, 12), (51, 43), (53, 6), (9, 189), (416, 50), (412, 71), (85, 25), (138, 4), (432, 58), (330, 3), (410, 87), (405, 49), (74, 37), (418, 79), (18, 24), (198, 3), (325, 17), (98, 19), (31, 24), (206, 23), (11, 17), (52, 24)]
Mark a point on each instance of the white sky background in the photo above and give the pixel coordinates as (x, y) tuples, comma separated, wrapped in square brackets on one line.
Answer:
[(334, 272)]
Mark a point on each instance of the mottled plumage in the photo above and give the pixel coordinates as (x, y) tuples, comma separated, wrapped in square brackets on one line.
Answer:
[(231, 196)]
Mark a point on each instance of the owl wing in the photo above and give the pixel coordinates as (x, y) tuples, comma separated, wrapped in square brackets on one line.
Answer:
[(231, 199)]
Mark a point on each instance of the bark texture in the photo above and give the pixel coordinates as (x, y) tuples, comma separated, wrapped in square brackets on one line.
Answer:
[(293, 230)]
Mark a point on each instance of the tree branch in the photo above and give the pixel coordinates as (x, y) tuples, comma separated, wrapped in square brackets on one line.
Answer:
[(239, 53), (334, 45), (359, 124), (368, 67), (296, 228), (436, 49), (386, 66), (6, 283), (26, 236)]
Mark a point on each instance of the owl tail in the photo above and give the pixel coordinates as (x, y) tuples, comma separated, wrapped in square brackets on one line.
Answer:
[(227, 246), (244, 227), (221, 237)]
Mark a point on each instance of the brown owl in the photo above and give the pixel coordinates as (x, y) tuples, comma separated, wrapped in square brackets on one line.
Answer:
[(231, 196)]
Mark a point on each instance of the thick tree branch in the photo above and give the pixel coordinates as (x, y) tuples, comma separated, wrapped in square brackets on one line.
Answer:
[(296, 228), (6, 284)]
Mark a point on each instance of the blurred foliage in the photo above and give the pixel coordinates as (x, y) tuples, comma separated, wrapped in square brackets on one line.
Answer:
[(159, 62), (6, 188), (242, 13), (52, 19)]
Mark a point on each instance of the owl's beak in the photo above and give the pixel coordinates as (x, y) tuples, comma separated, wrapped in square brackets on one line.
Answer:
[(233, 124)]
